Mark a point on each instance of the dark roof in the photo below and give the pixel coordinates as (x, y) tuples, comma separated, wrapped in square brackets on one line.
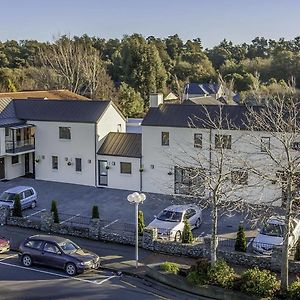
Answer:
[(7, 113), (182, 115), (51, 238), (201, 88), (208, 100), (122, 144), (60, 110)]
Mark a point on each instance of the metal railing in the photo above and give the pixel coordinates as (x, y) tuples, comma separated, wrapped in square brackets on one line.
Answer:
[(19, 146)]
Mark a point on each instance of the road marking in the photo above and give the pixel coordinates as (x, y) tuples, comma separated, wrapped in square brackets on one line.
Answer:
[(113, 222), (48, 273), (69, 219), (37, 212), (106, 279), (11, 256)]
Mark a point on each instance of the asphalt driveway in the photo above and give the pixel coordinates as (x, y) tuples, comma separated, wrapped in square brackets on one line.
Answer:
[(113, 205)]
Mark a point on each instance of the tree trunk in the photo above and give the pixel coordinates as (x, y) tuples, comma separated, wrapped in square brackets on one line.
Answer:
[(284, 276), (214, 237)]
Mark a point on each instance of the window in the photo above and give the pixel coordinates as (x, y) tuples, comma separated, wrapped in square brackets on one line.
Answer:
[(125, 168), (296, 146), (15, 159), (119, 127), (55, 162), (28, 193), (198, 140), (188, 181), (165, 138), (239, 177), (35, 244), (265, 144), (6, 131), (78, 164), (49, 247), (222, 141), (65, 133)]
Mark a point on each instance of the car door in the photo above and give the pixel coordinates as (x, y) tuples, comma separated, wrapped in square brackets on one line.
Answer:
[(52, 256), (22, 200), (28, 198), (34, 249), (191, 216)]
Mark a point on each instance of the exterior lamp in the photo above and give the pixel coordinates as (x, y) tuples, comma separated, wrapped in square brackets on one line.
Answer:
[(136, 199)]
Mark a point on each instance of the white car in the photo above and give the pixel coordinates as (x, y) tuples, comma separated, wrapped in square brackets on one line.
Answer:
[(170, 221), (272, 235)]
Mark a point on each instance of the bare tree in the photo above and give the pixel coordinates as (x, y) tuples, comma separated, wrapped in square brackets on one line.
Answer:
[(274, 130)]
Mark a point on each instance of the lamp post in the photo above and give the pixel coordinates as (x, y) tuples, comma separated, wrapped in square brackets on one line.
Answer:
[(136, 198)]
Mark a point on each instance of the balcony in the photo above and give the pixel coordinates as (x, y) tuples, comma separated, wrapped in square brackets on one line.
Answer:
[(14, 147)]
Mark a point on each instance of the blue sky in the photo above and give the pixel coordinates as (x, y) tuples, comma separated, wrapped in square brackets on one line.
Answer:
[(211, 20)]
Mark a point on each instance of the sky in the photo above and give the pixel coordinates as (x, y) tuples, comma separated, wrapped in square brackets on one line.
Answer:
[(210, 20)]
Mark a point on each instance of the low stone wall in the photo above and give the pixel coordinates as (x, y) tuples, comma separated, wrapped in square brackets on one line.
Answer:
[(23, 222)]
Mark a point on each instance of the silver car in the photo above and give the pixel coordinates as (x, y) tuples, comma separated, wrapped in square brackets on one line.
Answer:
[(26, 194), (170, 221)]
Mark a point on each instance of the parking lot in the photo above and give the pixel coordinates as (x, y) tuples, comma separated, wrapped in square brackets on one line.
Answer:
[(77, 200)]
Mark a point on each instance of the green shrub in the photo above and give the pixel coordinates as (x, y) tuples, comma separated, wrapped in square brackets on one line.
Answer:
[(261, 283), (187, 235), (297, 253), (294, 289), (221, 274), (17, 209), (54, 212), (197, 278), (240, 242), (141, 223), (95, 212), (169, 267)]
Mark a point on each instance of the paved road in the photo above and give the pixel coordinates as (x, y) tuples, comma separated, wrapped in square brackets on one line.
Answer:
[(18, 282), (113, 205)]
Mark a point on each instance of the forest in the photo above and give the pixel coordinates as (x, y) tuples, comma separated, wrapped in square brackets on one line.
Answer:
[(126, 70)]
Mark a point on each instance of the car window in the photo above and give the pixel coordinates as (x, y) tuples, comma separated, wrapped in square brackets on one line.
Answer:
[(35, 244), (28, 193), (50, 247), (170, 216), (21, 195), (189, 213), (69, 247), (7, 196)]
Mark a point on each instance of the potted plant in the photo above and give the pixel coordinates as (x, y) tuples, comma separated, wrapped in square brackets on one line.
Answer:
[(69, 163), (37, 160), (107, 167)]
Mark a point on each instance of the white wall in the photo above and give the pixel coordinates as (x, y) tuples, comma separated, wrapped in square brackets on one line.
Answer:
[(14, 170), (116, 179), (81, 145), (2, 141)]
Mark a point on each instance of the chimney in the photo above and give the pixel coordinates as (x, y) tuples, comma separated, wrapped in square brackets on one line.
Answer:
[(156, 99)]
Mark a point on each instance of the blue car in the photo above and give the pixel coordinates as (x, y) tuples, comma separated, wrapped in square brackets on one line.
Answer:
[(26, 194)]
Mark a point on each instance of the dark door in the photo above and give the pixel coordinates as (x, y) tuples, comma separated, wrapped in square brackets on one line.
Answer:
[(26, 163), (2, 168), (102, 172), (33, 163), (52, 256)]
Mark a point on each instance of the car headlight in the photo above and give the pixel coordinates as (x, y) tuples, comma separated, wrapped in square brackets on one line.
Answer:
[(81, 263)]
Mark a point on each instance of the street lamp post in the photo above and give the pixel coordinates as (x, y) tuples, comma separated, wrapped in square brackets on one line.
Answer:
[(136, 198)]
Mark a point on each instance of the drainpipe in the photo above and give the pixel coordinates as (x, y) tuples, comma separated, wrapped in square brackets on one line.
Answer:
[(141, 176)]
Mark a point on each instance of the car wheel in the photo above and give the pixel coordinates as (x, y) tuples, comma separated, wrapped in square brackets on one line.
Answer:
[(26, 260), (198, 223), (70, 269), (33, 204), (178, 236)]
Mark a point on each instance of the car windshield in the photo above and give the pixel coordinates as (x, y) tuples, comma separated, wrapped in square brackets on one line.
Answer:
[(170, 216), (272, 230), (68, 247), (7, 196)]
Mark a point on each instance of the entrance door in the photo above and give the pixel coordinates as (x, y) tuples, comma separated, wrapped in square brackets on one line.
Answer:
[(27, 164), (102, 172), (2, 168)]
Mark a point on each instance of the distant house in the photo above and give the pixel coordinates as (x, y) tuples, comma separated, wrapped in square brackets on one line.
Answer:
[(51, 94), (171, 98)]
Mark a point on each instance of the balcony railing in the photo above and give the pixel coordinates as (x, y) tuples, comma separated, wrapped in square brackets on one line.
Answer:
[(19, 146)]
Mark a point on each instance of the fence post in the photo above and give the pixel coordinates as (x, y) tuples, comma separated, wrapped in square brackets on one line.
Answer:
[(46, 221)]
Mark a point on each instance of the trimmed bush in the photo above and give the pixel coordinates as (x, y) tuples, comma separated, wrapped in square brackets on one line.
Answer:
[(240, 242), (141, 223), (297, 252), (197, 278), (187, 235), (17, 209), (221, 274), (261, 283), (54, 212), (95, 212), (169, 267), (294, 290)]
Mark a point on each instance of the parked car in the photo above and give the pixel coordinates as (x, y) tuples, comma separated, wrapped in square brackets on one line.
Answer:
[(57, 252), (26, 194), (272, 235), (170, 221), (4, 244)]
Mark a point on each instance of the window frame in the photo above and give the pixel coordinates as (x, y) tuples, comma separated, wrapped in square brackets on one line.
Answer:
[(165, 138), (53, 163), (220, 143), (122, 163), (197, 145), (17, 159), (64, 134)]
